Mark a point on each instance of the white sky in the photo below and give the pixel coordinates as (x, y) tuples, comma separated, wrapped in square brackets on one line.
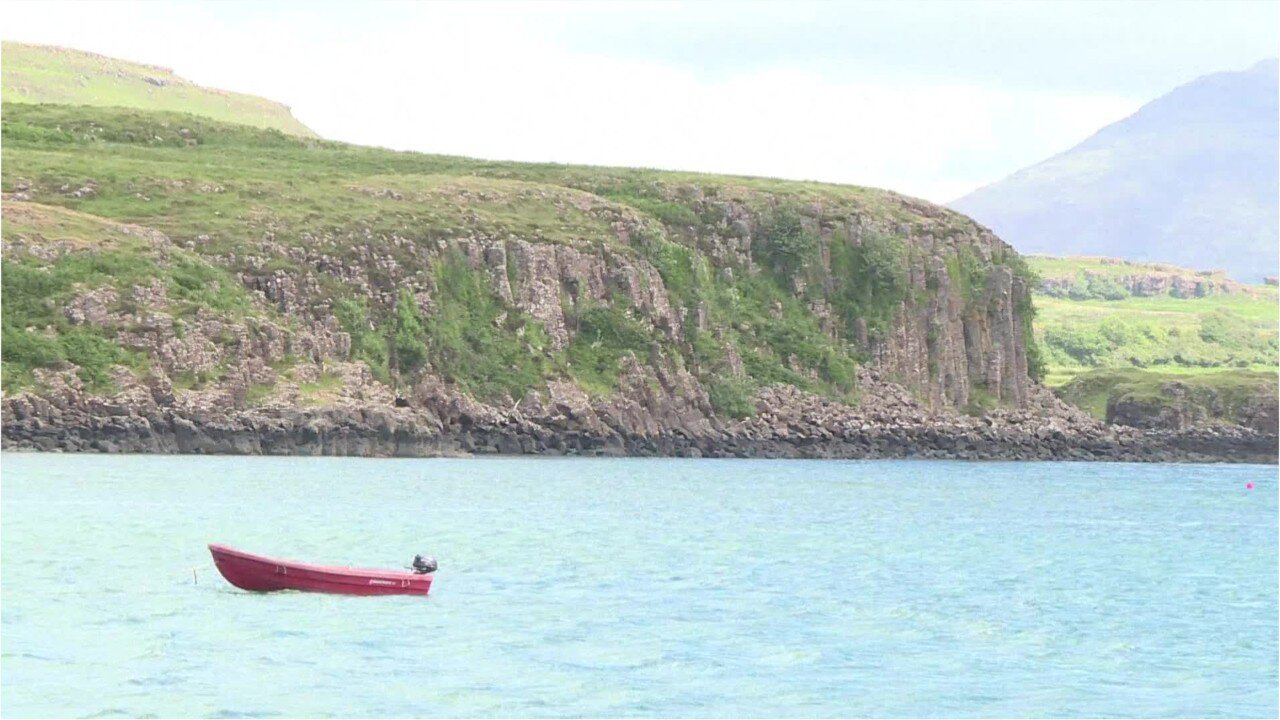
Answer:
[(931, 99)]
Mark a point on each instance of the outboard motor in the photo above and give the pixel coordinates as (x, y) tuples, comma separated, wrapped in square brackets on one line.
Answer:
[(424, 565)]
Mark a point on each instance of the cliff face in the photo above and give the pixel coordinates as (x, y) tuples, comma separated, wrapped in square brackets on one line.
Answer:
[(945, 345), (936, 343), (935, 339), (257, 272), (267, 295)]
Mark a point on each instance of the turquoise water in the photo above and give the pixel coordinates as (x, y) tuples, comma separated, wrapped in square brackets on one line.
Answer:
[(643, 587)]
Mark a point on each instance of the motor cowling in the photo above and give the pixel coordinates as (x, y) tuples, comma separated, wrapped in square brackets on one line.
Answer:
[(423, 565)]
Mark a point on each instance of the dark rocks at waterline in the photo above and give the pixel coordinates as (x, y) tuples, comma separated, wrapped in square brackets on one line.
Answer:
[(406, 433), (437, 420)]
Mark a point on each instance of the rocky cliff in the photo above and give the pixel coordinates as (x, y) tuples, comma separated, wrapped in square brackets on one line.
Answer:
[(497, 281), (173, 284)]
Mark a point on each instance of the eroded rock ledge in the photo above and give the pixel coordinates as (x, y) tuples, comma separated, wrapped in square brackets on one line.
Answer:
[(889, 423)]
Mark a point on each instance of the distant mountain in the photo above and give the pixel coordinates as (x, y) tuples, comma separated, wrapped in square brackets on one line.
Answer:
[(1190, 178), (46, 74)]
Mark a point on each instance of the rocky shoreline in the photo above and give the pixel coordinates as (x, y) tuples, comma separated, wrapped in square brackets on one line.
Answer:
[(789, 423)]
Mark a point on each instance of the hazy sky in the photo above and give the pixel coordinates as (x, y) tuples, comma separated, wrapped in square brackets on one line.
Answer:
[(928, 98)]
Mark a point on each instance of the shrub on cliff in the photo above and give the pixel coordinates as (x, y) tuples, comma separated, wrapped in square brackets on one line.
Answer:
[(475, 340), (367, 344), (784, 244), (731, 397), (408, 348), (869, 281), (968, 274), (605, 335)]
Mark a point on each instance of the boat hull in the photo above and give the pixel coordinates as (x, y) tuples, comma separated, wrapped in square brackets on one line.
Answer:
[(259, 573)]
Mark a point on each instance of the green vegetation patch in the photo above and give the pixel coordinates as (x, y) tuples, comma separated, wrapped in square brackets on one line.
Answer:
[(776, 336), (36, 293), (456, 205), (757, 317), (1165, 334), (605, 335), (368, 344), (326, 384), (968, 274), (785, 245), (194, 284), (732, 397), (474, 339), (665, 211), (36, 332), (869, 281)]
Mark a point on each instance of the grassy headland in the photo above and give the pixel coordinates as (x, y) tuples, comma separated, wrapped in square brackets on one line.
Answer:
[(44, 74)]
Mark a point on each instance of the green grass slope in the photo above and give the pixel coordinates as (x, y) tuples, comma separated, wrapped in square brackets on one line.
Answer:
[(1096, 322), (191, 176), (45, 74)]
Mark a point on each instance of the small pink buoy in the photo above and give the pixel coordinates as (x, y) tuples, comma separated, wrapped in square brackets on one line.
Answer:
[(1248, 486)]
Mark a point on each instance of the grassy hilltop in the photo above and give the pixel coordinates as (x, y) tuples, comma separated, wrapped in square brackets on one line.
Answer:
[(44, 74)]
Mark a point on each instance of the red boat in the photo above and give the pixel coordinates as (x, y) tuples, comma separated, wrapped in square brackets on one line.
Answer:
[(255, 572)]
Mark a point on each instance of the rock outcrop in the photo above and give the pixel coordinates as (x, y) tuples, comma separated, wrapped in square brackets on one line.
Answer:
[(1180, 405)]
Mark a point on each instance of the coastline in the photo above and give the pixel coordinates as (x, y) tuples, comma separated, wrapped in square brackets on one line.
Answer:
[(380, 432), (439, 421)]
